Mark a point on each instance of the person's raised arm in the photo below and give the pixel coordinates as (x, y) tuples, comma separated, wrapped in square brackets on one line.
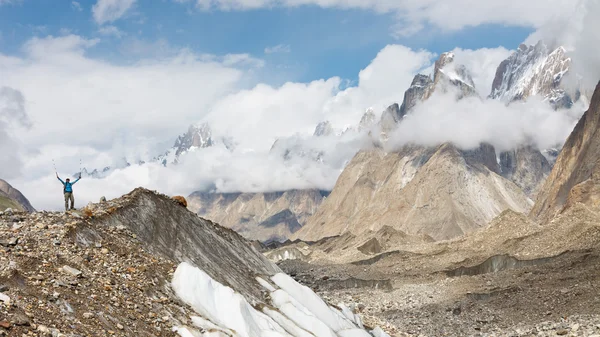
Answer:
[(60, 179), (76, 180)]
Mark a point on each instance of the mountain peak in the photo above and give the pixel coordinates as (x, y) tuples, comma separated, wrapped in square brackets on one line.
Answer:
[(532, 70), (198, 136), (323, 129), (367, 120)]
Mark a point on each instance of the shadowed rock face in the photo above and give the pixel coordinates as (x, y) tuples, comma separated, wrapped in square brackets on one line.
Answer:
[(175, 233), (526, 167), (391, 117), (575, 176), (419, 88), (7, 191)]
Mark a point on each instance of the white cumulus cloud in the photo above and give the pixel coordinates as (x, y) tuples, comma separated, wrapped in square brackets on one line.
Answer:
[(111, 31), (110, 10)]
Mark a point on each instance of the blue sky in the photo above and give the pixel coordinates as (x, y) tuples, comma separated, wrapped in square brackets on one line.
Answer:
[(323, 42)]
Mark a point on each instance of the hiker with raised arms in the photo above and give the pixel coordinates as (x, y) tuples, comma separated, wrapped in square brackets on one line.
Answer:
[(68, 191)]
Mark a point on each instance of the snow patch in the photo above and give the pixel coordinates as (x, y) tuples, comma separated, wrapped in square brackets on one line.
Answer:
[(295, 309)]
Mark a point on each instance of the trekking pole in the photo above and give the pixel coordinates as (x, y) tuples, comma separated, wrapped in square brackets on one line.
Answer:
[(53, 164), (80, 168)]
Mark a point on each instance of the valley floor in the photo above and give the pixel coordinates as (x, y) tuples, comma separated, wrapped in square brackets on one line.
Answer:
[(558, 296)]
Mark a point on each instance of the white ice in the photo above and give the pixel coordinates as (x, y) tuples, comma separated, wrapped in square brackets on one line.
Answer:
[(295, 309)]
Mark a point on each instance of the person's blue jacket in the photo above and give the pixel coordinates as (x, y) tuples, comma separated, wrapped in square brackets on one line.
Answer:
[(68, 186)]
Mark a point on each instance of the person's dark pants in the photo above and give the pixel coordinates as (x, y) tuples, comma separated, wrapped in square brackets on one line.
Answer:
[(69, 196)]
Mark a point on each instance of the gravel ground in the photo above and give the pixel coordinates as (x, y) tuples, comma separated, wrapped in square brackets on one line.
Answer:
[(559, 297)]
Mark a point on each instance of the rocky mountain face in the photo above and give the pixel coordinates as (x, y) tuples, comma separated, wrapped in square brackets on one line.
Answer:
[(390, 118), (259, 216), (143, 265), (10, 197), (441, 192), (533, 70), (419, 88), (448, 74), (574, 177), (527, 167)]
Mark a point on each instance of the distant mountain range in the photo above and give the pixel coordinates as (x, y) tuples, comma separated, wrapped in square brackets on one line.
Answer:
[(374, 179)]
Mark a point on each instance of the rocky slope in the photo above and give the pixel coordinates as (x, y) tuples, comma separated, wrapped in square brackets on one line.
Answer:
[(574, 177), (135, 266), (441, 192), (533, 70), (10, 197), (259, 216), (507, 279)]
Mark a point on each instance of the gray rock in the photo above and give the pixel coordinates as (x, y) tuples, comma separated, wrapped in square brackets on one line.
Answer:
[(10, 242), (8, 211), (102, 199), (72, 271), (21, 319), (4, 298), (44, 330)]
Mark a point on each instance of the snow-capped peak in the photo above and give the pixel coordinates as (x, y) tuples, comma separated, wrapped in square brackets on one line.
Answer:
[(197, 136), (323, 129), (531, 70)]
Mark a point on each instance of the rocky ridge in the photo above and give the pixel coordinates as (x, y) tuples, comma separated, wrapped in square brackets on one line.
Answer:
[(574, 178), (124, 267), (13, 198)]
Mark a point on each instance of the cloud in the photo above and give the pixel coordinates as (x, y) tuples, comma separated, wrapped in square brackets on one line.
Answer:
[(242, 59), (76, 6), (413, 16), (54, 47), (78, 101), (269, 113), (470, 121), (111, 31), (12, 118), (482, 64), (110, 10), (280, 48)]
